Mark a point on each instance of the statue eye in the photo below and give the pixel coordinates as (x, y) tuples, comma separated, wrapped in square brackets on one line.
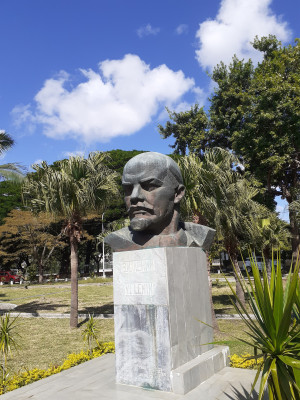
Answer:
[(127, 189), (148, 186)]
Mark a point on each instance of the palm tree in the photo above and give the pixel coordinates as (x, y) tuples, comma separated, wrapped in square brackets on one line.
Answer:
[(219, 194), (191, 206), (10, 171), (273, 236), (70, 189), (6, 141)]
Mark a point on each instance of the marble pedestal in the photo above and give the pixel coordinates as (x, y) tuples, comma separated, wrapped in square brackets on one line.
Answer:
[(160, 297)]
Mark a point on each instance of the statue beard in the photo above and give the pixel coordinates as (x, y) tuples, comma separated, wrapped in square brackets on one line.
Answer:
[(140, 224)]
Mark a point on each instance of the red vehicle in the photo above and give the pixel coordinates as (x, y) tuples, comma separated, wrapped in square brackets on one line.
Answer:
[(9, 277)]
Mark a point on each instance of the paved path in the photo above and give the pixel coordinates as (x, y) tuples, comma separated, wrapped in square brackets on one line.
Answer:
[(94, 380)]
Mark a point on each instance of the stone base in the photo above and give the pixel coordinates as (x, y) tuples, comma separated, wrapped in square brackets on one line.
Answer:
[(160, 297), (190, 375)]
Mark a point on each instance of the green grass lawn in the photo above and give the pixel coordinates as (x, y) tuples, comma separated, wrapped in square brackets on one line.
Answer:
[(93, 298), (222, 294), (229, 336), (48, 341)]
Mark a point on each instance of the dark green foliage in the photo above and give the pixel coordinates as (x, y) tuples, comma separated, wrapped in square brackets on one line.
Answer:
[(10, 198), (189, 129), (118, 158), (116, 161), (229, 101), (254, 111)]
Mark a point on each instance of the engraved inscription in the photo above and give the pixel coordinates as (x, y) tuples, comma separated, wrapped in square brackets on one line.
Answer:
[(141, 289), (137, 266)]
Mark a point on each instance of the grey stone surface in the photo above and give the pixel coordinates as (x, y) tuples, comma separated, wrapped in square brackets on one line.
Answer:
[(140, 277), (190, 375), (142, 346), (95, 380), (160, 297), (153, 188), (7, 306)]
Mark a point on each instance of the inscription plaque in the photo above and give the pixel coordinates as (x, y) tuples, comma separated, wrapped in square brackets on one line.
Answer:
[(143, 289), (140, 280)]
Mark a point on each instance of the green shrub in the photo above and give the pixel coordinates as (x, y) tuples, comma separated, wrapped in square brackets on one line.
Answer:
[(90, 332), (274, 333), (8, 337)]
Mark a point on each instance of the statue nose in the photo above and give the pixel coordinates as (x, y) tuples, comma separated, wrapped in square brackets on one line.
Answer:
[(136, 194)]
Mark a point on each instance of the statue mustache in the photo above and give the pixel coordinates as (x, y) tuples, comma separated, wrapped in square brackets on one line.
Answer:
[(144, 207)]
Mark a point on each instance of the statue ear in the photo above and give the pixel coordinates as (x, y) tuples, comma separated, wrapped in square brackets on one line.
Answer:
[(179, 193)]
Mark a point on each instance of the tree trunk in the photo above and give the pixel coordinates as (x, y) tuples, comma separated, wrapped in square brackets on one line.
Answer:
[(214, 318), (41, 273), (74, 282), (237, 275)]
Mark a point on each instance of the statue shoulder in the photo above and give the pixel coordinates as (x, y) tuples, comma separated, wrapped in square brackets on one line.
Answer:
[(201, 235), (120, 239)]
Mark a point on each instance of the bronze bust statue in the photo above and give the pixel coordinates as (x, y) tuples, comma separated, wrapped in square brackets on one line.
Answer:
[(153, 189)]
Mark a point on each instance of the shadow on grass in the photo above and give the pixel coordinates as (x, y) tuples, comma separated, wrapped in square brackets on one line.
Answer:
[(3, 295), (223, 299), (35, 306), (104, 309), (82, 322)]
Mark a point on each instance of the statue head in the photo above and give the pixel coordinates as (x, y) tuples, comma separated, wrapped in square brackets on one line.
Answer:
[(153, 189)]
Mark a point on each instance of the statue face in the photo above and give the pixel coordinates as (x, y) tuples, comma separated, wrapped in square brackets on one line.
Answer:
[(150, 195)]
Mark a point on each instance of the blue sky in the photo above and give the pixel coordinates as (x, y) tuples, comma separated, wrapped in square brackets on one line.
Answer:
[(84, 75)]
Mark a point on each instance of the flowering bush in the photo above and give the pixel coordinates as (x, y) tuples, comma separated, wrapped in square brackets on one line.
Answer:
[(245, 361), (36, 374)]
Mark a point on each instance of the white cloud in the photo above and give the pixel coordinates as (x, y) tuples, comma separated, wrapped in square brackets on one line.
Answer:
[(119, 100), (39, 161), (200, 95), (182, 28), (147, 30), (73, 153), (235, 26), (22, 114)]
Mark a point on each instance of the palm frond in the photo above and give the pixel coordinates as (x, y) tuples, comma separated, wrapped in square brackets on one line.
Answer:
[(6, 141), (70, 187)]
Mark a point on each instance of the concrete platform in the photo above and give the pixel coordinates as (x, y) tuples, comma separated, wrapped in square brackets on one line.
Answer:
[(95, 379)]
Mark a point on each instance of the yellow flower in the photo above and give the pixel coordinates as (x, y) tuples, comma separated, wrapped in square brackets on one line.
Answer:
[(36, 374), (243, 361)]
